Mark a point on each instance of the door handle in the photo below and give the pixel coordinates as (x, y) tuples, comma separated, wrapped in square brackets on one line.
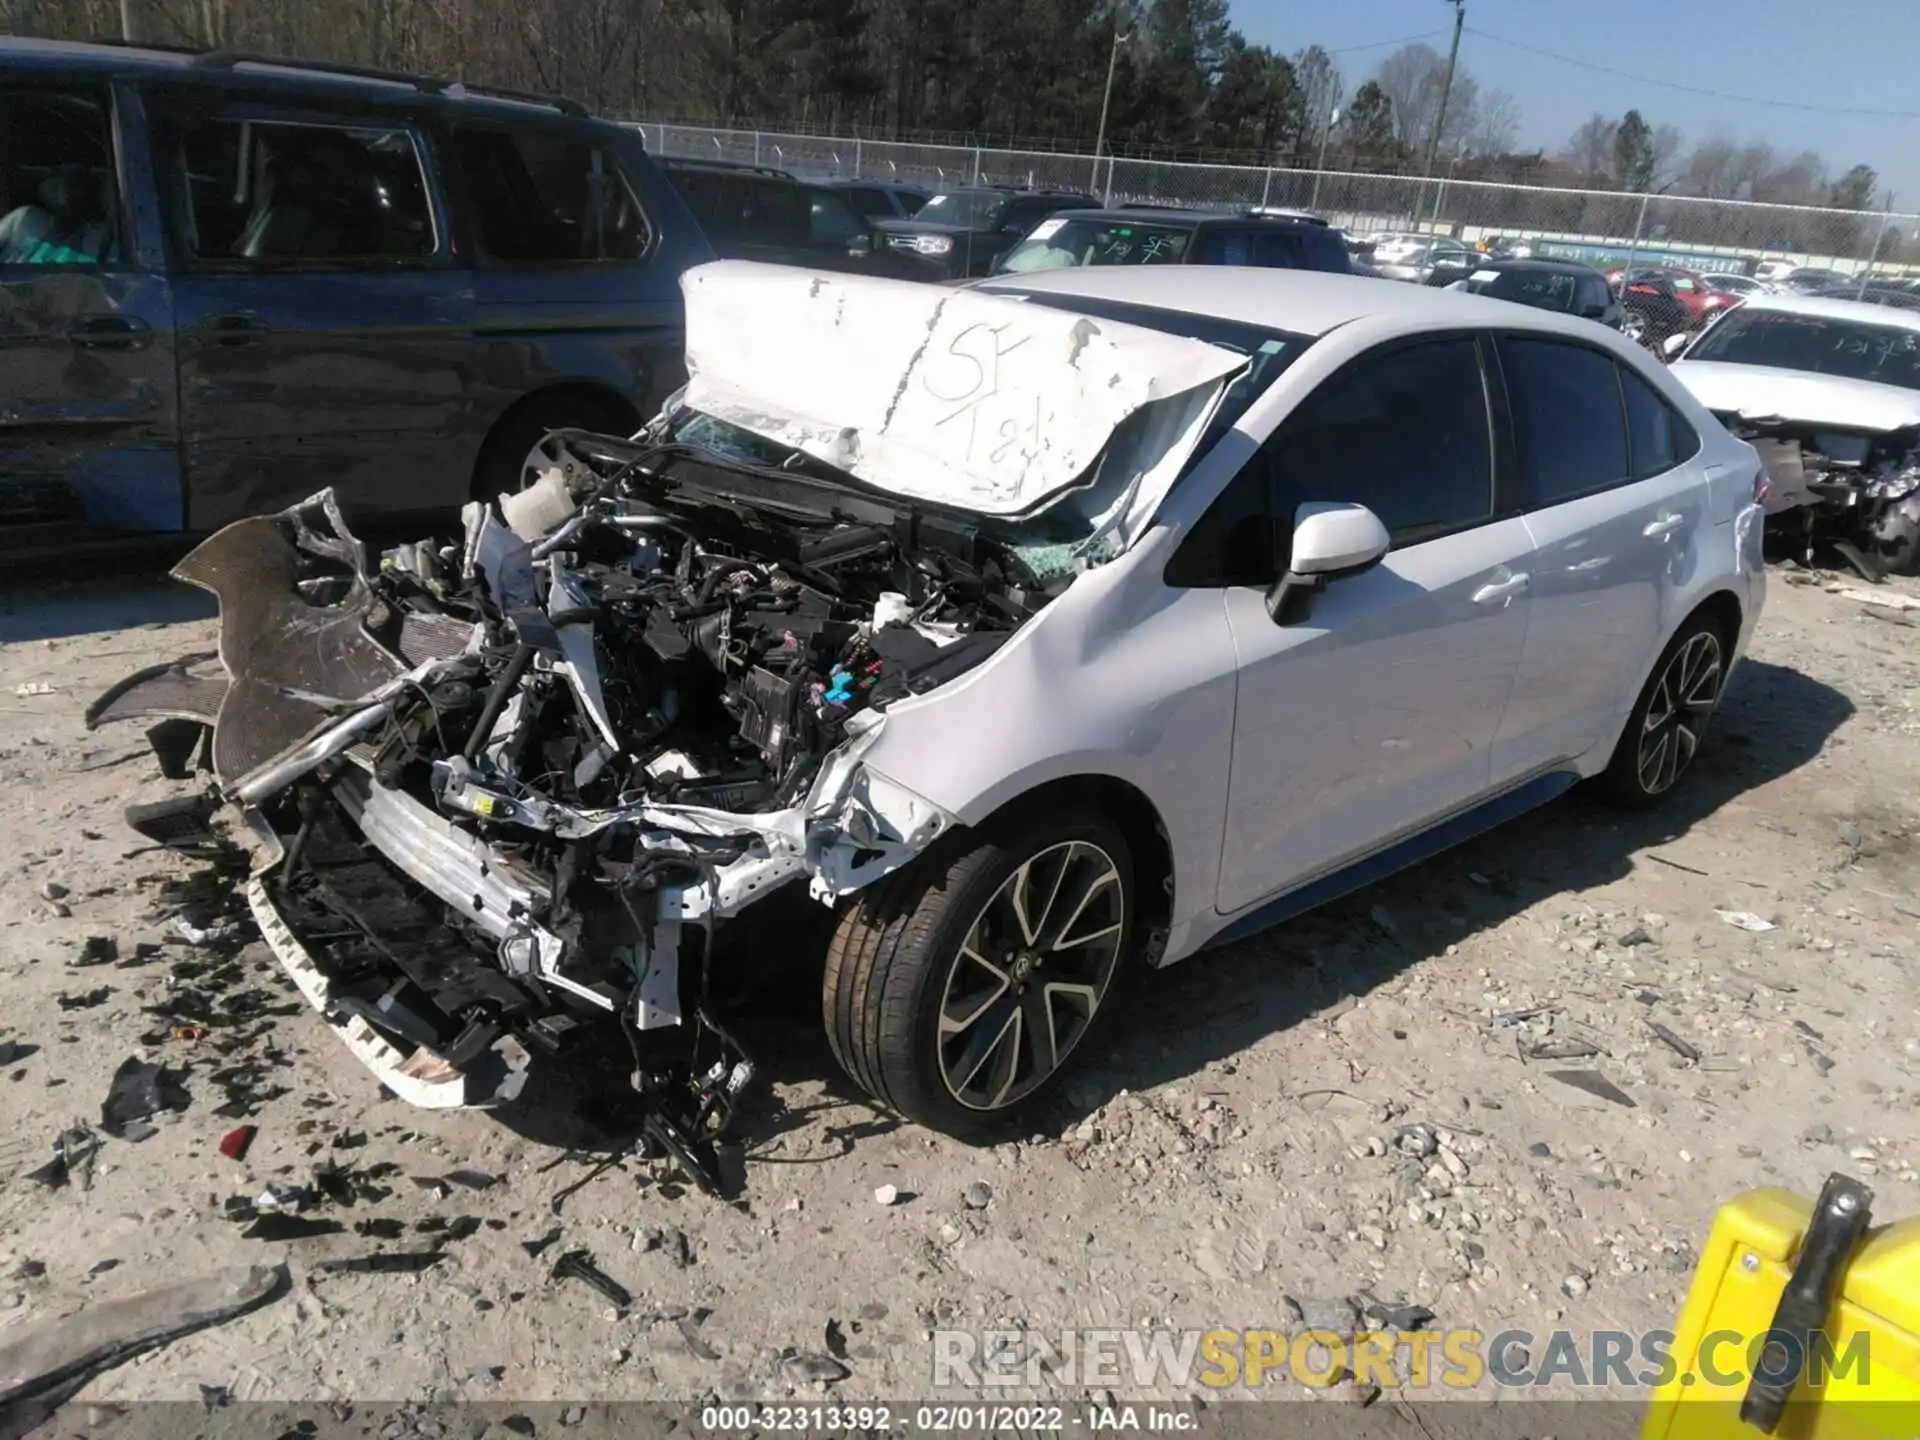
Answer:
[(109, 332), (236, 329), (1663, 527), (1498, 592)]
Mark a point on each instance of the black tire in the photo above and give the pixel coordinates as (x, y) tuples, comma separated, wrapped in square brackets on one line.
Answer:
[(1641, 773), (502, 459), (897, 954)]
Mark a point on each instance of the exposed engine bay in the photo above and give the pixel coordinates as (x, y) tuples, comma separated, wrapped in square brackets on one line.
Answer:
[(504, 788), (1857, 491)]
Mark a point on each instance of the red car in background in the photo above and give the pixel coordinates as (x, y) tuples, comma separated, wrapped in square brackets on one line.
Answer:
[(1699, 300)]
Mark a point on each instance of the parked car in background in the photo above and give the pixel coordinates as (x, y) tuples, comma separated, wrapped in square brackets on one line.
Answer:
[(1829, 392), (883, 199), (229, 281), (1660, 301), (1772, 272), (750, 212), (1175, 237), (1738, 286), (1565, 286), (1807, 279), (1890, 295), (1506, 247), (963, 233), (1430, 260)]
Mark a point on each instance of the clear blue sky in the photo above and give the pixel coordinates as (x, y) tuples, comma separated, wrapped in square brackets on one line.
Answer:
[(1847, 53)]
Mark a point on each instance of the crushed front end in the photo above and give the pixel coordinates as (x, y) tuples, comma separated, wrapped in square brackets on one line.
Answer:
[(1855, 490), (501, 791)]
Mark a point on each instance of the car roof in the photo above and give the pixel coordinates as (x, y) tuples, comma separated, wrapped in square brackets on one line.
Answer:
[(868, 184), (1176, 214), (25, 57), (1304, 302), (1830, 309)]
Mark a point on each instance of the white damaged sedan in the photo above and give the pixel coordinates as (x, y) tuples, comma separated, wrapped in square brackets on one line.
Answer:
[(1042, 629)]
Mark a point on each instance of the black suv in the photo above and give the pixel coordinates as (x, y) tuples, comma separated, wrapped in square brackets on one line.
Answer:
[(230, 280), (750, 212), (1154, 235), (963, 233)]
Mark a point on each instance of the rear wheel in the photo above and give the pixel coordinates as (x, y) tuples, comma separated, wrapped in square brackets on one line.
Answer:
[(957, 991), (1670, 718)]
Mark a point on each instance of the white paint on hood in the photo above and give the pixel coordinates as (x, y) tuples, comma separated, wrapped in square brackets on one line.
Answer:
[(1760, 392), (956, 396)]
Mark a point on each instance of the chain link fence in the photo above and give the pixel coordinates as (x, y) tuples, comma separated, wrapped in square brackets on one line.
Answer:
[(1600, 226)]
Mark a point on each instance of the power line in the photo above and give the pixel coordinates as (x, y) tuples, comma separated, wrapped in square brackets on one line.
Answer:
[(1767, 100), (1383, 44)]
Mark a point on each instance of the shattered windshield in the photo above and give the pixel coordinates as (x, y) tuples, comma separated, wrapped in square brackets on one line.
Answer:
[(968, 209), (1820, 344), (1061, 244)]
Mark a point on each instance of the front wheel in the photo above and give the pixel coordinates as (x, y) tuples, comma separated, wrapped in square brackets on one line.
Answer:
[(957, 991), (1670, 718)]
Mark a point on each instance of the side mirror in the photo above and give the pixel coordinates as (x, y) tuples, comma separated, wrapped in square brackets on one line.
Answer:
[(860, 245), (1331, 539), (1673, 345)]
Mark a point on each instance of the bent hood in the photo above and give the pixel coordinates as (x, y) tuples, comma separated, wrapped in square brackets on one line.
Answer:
[(957, 397), (1761, 392)]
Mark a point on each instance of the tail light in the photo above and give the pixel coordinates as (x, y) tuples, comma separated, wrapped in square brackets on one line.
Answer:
[(1761, 489)]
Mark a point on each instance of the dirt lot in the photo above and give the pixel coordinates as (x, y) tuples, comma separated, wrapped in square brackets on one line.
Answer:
[(1346, 1105)]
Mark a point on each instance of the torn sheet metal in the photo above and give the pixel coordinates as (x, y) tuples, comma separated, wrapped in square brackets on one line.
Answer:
[(953, 396)]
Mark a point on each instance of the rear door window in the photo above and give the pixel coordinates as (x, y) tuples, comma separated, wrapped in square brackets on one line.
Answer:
[(59, 195), (539, 196), (265, 192), (831, 220), (1568, 420), (1658, 438), (1268, 248)]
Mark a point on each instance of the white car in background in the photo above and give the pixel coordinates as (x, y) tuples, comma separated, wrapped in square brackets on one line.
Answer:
[(1043, 629), (1829, 390)]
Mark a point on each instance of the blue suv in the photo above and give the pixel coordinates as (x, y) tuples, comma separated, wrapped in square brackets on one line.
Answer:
[(228, 280)]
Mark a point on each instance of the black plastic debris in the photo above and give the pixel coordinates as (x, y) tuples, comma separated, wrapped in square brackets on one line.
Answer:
[(1673, 1042), (1394, 1316), (473, 1179), (139, 1090), (86, 999), (73, 1152), (281, 1226), (101, 1267), (349, 1140), (382, 1228), (348, 1187), (1593, 1083), (540, 1243), (13, 1051), (578, 1265), (383, 1262), (215, 1397), (96, 950)]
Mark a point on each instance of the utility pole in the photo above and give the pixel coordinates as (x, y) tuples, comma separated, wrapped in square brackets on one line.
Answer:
[(1446, 86), (1106, 95), (1320, 165)]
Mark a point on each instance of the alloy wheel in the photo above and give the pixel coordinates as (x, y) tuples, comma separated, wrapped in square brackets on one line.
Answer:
[(1683, 700), (547, 455), (1035, 965)]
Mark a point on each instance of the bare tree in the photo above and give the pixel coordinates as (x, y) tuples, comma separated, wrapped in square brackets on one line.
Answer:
[(1590, 150), (1495, 124)]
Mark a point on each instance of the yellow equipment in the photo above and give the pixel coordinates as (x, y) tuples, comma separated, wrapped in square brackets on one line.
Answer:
[(1799, 1324)]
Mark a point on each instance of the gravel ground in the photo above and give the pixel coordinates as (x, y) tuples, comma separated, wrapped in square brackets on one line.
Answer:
[(1358, 1104)]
